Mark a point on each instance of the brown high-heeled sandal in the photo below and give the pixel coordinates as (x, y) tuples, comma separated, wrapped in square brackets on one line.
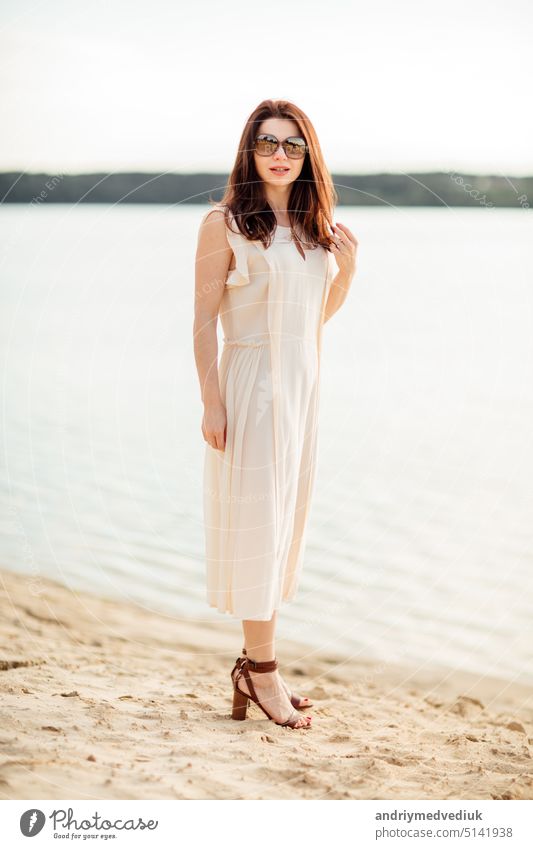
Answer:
[(296, 700), (241, 699)]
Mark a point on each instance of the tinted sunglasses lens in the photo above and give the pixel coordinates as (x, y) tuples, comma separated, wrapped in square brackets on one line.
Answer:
[(295, 148), (266, 145)]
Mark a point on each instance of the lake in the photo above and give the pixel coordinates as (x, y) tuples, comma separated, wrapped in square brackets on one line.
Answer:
[(420, 538)]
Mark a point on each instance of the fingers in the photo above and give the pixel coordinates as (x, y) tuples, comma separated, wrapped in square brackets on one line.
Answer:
[(216, 439), (219, 440), (342, 230), (338, 240)]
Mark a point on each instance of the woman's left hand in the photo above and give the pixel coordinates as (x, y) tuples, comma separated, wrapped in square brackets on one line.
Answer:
[(344, 249)]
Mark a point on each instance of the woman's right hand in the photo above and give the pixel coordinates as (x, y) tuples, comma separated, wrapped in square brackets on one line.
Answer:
[(214, 425)]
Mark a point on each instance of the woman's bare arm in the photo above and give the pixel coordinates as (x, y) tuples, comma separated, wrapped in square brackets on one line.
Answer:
[(346, 257), (213, 256), (340, 286)]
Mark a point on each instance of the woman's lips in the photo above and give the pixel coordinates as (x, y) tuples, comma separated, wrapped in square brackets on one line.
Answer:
[(285, 170)]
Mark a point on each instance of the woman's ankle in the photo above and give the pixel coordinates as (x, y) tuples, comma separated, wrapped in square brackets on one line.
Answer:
[(261, 655)]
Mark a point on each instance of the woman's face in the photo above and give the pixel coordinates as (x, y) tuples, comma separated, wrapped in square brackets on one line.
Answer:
[(281, 128)]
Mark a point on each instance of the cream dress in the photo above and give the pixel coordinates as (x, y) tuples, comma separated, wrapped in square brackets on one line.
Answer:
[(257, 491)]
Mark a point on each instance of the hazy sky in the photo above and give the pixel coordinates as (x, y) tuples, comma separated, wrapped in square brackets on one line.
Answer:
[(167, 85)]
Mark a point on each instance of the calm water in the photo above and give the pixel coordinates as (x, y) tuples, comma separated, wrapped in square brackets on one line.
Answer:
[(420, 543)]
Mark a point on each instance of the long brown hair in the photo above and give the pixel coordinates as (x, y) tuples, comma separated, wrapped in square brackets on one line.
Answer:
[(312, 197)]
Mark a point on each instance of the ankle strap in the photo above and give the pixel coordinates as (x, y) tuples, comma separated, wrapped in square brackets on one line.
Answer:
[(261, 665)]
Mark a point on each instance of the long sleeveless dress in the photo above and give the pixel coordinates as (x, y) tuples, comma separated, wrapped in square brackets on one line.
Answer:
[(257, 491)]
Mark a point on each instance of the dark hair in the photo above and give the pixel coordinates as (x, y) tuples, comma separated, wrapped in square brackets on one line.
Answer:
[(312, 198)]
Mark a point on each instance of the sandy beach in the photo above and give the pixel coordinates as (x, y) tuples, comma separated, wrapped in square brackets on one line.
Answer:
[(102, 699)]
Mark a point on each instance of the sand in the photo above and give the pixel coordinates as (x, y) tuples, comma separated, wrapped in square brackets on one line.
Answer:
[(102, 699)]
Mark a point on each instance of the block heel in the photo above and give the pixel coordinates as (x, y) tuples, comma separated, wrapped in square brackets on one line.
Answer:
[(240, 705)]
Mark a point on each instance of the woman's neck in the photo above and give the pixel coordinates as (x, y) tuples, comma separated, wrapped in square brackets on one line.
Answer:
[(278, 202)]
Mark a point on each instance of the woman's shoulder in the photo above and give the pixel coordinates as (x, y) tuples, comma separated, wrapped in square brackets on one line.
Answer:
[(217, 211), (239, 275), (221, 212)]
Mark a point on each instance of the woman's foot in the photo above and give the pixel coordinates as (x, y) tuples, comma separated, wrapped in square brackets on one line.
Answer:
[(297, 701), (272, 695)]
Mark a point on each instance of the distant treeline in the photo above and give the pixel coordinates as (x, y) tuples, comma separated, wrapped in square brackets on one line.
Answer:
[(431, 189)]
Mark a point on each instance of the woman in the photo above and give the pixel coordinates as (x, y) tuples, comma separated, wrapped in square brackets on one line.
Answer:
[(275, 268)]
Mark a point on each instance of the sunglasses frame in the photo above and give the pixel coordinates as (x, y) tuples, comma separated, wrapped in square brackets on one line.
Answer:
[(282, 143)]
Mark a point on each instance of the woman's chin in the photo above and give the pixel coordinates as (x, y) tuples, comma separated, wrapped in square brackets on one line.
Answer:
[(277, 181)]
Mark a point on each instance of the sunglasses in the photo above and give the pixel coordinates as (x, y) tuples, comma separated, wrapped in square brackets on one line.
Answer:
[(294, 146)]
